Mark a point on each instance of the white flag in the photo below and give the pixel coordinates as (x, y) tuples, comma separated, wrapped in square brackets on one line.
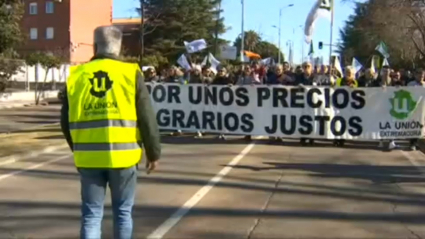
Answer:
[(356, 65), (385, 63), (195, 46), (214, 63), (321, 9), (266, 62), (337, 65), (183, 62), (204, 62), (383, 49)]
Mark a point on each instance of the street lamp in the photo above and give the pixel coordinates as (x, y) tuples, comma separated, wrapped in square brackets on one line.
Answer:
[(243, 30), (280, 26)]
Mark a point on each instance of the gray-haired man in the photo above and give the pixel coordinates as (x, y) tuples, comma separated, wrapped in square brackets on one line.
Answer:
[(105, 115)]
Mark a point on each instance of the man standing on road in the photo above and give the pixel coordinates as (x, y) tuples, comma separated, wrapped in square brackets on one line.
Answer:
[(105, 116)]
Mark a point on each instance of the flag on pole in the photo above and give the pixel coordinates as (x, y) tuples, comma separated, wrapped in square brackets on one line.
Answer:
[(337, 65), (321, 9), (383, 49), (385, 63), (183, 62), (356, 65), (311, 52), (195, 46), (374, 64)]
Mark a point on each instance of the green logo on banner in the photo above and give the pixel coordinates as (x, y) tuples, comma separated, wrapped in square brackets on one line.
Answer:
[(402, 104)]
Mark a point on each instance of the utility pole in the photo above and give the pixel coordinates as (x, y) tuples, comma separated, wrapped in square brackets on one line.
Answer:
[(243, 31), (280, 25), (142, 31), (216, 28), (279, 30)]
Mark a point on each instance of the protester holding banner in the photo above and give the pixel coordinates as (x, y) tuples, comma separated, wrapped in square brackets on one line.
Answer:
[(222, 77), (150, 75), (348, 79), (174, 75), (367, 79), (322, 78), (307, 76), (278, 77), (396, 79), (385, 77), (248, 77), (417, 82), (196, 75), (207, 75), (305, 79), (418, 78)]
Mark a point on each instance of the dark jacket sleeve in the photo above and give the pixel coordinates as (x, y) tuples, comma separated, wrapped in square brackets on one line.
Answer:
[(146, 120), (65, 120)]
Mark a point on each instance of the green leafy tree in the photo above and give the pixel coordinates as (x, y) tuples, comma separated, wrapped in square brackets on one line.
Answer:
[(48, 61), (254, 43), (398, 23), (171, 22), (252, 38), (10, 37), (266, 49)]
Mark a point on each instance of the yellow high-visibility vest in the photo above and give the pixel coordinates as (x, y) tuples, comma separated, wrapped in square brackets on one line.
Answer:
[(339, 82), (102, 114)]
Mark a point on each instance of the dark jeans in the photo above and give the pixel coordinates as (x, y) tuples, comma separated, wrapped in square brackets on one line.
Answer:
[(122, 183)]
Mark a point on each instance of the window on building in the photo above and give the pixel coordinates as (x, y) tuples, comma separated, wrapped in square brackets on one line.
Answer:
[(50, 33), (33, 33), (33, 8), (50, 7)]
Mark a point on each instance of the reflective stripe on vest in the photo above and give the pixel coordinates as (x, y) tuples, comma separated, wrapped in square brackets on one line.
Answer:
[(102, 114), (106, 146), (103, 123)]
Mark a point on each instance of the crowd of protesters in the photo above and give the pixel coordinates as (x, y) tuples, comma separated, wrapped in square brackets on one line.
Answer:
[(284, 74)]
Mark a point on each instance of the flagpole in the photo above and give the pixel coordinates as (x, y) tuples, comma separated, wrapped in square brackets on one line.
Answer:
[(243, 31), (331, 38)]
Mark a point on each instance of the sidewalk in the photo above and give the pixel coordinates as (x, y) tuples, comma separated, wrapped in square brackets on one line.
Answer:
[(31, 143), (15, 104)]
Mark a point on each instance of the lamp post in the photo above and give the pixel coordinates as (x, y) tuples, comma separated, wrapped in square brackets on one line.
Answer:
[(280, 27), (142, 31), (243, 31), (302, 44)]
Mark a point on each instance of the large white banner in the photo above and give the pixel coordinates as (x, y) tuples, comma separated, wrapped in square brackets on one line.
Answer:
[(295, 112)]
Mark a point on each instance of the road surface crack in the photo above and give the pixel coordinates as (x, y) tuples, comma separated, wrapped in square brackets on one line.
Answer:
[(394, 209), (265, 206)]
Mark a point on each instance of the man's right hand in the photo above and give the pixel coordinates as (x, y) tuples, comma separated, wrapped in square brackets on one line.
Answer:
[(151, 166)]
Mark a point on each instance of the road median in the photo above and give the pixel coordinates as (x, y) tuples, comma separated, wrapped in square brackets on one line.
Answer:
[(31, 143)]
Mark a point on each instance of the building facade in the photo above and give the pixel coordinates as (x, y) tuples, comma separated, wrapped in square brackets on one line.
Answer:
[(64, 27), (130, 28)]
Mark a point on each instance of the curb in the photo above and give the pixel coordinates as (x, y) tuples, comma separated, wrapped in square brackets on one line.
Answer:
[(22, 104), (33, 154), (11, 132), (17, 105)]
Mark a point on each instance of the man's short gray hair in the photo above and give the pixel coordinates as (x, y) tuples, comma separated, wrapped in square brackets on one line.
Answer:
[(107, 40), (349, 68)]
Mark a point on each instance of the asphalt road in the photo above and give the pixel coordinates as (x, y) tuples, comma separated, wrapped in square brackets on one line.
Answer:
[(21, 118), (206, 188)]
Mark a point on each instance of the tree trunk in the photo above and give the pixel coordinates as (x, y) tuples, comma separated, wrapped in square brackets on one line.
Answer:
[(43, 86)]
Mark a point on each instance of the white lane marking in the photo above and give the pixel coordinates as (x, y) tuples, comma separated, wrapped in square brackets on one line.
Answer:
[(8, 162), (160, 232), (2, 177), (414, 161)]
